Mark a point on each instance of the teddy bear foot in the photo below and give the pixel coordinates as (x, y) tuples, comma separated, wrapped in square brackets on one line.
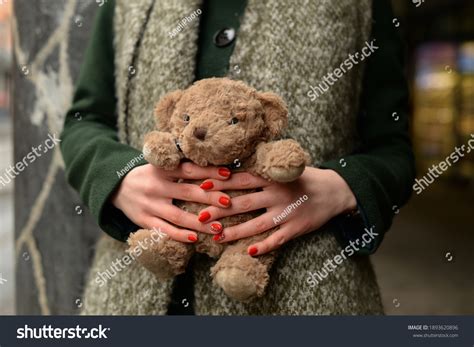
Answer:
[(236, 284), (159, 254), (281, 174), (244, 282)]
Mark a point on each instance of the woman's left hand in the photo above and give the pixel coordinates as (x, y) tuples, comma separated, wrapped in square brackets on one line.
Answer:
[(322, 195)]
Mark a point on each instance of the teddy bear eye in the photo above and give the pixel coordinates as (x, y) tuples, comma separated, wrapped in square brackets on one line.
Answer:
[(186, 117), (234, 120)]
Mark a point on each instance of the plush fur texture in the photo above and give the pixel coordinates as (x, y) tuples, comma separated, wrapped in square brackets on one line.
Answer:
[(215, 122), (274, 51)]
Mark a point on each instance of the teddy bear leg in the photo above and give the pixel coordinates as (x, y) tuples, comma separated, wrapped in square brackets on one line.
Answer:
[(241, 276), (158, 253)]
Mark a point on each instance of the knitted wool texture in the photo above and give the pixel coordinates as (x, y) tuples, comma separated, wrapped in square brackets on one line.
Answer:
[(283, 47)]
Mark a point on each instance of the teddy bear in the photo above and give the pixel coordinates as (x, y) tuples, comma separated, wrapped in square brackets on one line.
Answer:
[(220, 122)]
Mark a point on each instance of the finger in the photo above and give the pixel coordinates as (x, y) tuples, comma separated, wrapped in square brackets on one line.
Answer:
[(191, 192), (181, 218), (241, 204), (192, 171), (178, 234), (240, 180), (272, 242), (252, 227)]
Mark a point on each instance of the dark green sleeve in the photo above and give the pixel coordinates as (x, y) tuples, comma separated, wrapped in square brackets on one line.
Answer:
[(382, 171), (92, 153)]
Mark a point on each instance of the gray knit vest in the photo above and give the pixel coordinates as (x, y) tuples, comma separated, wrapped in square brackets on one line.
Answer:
[(283, 47)]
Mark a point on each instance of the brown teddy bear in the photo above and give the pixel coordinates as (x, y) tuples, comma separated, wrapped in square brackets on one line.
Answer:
[(221, 122)]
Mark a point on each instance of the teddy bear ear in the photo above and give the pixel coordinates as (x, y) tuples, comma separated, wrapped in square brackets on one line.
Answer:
[(276, 113), (165, 107)]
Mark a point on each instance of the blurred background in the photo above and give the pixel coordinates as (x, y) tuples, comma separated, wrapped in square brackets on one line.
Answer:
[(424, 265), (6, 154)]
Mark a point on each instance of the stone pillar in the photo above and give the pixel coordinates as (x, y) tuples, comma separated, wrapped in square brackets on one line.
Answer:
[(54, 234)]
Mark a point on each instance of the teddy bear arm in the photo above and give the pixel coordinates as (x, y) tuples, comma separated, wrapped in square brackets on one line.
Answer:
[(279, 161), (160, 150)]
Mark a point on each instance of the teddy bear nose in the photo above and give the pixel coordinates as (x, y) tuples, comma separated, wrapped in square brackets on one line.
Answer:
[(200, 133)]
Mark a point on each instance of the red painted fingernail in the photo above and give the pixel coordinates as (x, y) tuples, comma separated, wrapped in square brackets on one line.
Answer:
[(192, 238), (224, 200), (206, 185), (253, 250), (218, 237), (204, 216), (216, 227), (224, 172)]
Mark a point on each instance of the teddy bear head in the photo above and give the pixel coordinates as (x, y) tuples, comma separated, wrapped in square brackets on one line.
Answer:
[(218, 120)]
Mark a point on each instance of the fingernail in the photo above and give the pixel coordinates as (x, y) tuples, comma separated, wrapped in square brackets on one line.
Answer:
[(206, 185), (204, 216), (216, 227), (224, 172), (218, 237), (223, 200), (253, 250), (192, 238)]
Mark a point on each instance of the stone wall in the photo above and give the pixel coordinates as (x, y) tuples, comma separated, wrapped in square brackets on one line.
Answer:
[(54, 233)]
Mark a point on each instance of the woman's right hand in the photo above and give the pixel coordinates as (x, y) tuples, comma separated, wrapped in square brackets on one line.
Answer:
[(146, 196)]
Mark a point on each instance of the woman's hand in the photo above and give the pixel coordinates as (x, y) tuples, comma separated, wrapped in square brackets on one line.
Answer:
[(146, 196), (311, 201)]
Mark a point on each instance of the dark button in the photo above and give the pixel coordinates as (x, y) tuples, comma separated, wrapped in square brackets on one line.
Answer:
[(224, 37)]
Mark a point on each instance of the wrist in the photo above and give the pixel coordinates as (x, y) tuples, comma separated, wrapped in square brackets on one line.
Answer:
[(347, 201), (115, 198)]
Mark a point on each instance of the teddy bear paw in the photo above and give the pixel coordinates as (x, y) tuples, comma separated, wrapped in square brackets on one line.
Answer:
[(283, 174), (237, 284), (281, 161), (160, 150)]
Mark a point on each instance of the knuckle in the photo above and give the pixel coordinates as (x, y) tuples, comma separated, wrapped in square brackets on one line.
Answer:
[(211, 171), (246, 204), (187, 168), (175, 216), (186, 192), (261, 225), (244, 180), (148, 189), (280, 239), (159, 186), (211, 199)]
